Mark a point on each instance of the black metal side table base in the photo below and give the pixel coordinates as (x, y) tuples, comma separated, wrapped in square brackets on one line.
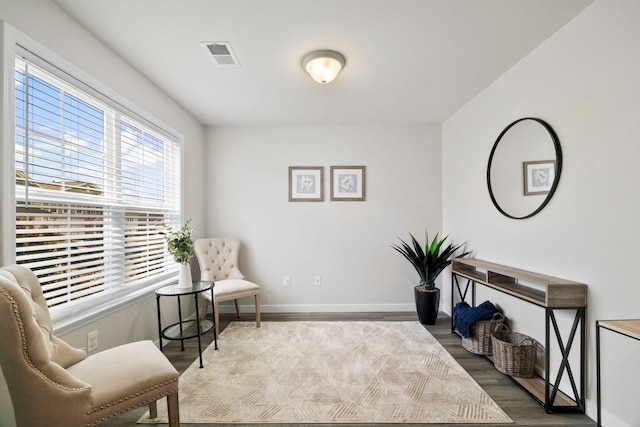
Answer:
[(202, 326)]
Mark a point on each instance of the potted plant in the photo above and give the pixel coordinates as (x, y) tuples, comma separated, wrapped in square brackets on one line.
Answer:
[(180, 246), (429, 263)]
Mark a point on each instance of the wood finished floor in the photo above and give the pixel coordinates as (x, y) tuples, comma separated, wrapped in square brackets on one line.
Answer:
[(517, 403)]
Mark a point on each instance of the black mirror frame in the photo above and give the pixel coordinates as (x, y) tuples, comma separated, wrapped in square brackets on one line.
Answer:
[(554, 185)]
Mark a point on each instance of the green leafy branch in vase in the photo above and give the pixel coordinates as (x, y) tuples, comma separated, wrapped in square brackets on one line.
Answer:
[(179, 242)]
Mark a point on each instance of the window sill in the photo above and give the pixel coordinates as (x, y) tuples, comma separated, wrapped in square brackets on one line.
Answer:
[(65, 321)]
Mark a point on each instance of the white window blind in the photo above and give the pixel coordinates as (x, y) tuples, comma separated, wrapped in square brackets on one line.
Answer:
[(93, 187)]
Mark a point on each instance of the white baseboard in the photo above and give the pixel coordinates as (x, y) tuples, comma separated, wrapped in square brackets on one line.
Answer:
[(321, 308), (306, 308), (608, 419)]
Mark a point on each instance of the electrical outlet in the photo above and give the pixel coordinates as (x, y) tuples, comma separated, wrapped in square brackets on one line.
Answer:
[(92, 341), (287, 281), (317, 280)]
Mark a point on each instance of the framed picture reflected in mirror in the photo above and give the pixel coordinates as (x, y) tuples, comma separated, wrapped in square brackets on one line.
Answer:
[(538, 176)]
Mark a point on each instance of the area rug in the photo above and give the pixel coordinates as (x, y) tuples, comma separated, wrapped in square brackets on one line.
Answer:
[(330, 372)]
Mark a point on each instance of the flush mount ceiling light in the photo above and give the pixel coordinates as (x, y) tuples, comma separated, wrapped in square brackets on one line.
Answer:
[(323, 65)]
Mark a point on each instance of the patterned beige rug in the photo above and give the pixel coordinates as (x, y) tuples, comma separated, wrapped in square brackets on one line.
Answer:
[(330, 372)]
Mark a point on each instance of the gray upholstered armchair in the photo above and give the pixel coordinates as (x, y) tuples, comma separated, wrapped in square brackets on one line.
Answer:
[(54, 384), (218, 260)]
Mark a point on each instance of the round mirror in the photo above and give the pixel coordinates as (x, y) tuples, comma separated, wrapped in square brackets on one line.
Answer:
[(524, 168)]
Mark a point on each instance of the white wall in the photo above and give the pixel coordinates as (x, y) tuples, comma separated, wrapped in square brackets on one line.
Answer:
[(48, 25), (584, 82), (346, 243)]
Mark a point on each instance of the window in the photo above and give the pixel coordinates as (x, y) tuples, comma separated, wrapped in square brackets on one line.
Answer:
[(94, 184)]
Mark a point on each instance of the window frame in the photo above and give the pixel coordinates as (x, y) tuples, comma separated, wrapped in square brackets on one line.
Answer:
[(67, 318)]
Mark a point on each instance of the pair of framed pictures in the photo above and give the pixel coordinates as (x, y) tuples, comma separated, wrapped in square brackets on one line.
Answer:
[(306, 183)]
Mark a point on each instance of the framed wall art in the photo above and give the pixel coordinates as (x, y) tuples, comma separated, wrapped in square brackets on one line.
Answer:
[(348, 183), (538, 176), (305, 183)]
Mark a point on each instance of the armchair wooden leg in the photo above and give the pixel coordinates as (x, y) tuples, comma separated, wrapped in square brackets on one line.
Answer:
[(257, 310), (237, 308), (216, 318), (205, 307), (173, 410), (153, 409)]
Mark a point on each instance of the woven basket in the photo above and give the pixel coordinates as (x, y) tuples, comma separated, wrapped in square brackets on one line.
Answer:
[(513, 353), (480, 340)]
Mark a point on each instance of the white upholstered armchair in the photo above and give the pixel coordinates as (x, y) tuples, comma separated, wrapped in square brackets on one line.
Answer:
[(218, 260), (54, 384)]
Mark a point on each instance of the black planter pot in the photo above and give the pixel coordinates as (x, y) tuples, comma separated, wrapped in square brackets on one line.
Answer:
[(427, 304)]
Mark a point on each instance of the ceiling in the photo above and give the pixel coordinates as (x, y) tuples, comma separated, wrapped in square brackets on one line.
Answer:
[(408, 61)]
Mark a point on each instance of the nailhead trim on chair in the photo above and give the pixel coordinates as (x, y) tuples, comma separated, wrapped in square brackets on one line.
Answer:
[(24, 346), (25, 353), (143, 403)]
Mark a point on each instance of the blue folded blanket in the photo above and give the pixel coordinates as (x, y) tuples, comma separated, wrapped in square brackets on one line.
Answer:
[(465, 316)]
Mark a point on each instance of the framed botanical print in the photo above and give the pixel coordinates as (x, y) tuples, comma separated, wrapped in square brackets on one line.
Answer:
[(538, 176), (348, 183), (305, 183)]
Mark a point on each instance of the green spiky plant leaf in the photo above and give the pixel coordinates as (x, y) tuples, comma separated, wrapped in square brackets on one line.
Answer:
[(430, 261)]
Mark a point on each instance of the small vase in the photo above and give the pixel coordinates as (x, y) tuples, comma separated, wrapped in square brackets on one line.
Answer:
[(184, 280)]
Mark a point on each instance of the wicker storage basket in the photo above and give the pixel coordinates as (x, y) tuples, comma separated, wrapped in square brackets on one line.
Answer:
[(513, 353), (480, 340)]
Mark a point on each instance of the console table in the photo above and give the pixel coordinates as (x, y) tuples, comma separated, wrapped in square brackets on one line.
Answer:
[(550, 293), (628, 328)]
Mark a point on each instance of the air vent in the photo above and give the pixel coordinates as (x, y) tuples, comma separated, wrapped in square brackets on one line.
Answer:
[(222, 53)]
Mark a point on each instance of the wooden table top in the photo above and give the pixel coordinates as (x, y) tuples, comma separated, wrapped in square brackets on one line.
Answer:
[(630, 327)]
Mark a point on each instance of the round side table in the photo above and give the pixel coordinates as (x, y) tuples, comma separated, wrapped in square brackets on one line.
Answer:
[(203, 326)]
